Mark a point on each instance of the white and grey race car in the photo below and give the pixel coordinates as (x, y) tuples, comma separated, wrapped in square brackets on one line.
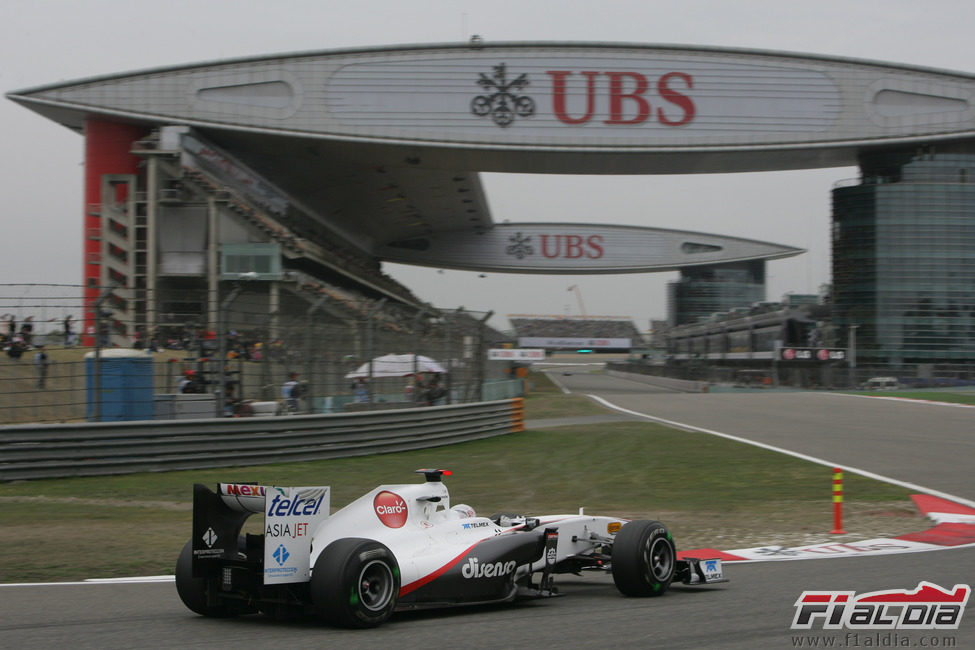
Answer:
[(402, 547)]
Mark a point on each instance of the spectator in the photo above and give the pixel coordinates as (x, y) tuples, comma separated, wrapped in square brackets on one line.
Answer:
[(69, 336), (435, 392), (291, 391), (104, 329), (190, 383), (27, 330), (361, 388), (154, 340), (230, 400), (16, 347), (41, 362)]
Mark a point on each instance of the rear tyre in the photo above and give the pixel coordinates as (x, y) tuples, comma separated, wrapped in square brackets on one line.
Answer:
[(355, 583), (193, 591), (644, 559)]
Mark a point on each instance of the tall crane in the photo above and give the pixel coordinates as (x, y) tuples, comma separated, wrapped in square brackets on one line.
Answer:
[(582, 307)]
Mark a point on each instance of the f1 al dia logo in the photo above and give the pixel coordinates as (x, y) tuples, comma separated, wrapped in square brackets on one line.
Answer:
[(501, 100), (928, 607)]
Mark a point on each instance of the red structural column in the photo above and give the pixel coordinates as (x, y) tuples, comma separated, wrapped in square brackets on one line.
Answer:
[(107, 151), (837, 502)]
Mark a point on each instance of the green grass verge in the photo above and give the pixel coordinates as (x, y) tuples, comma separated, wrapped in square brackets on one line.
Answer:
[(136, 524), (546, 400)]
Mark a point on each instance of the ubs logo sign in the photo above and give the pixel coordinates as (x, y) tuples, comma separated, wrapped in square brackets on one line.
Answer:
[(521, 246), (502, 104), (611, 97), (557, 246)]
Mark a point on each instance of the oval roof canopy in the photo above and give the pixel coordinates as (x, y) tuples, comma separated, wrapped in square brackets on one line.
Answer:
[(578, 248), (385, 144), (642, 108)]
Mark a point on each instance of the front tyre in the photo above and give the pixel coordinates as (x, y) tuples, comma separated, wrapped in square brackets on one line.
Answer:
[(193, 591), (355, 583), (644, 559)]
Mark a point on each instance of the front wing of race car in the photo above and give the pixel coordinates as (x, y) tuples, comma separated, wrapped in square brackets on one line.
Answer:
[(587, 542)]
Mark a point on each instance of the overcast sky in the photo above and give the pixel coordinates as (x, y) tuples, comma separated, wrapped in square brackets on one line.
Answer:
[(47, 41)]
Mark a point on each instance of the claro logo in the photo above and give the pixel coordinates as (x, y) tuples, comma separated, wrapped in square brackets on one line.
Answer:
[(390, 508)]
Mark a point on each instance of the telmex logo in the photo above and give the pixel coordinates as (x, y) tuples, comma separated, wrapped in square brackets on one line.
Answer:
[(243, 490), (390, 508), (927, 607)]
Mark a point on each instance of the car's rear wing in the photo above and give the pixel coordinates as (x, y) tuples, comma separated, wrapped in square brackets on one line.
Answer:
[(291, 515)]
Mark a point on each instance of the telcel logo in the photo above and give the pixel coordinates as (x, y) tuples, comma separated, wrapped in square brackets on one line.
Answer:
[(390, 508)]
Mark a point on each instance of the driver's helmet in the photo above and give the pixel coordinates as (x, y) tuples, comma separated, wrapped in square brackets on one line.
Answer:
[(507, 520), (463, 511)]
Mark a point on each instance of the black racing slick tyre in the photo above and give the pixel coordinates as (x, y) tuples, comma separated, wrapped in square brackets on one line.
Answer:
[(355, 583), (193, 591), (644, 559)]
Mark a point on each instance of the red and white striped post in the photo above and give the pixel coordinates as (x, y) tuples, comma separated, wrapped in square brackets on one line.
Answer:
[(837, 502)]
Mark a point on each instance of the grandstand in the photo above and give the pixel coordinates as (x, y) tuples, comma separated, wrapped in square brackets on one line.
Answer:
[(753, 333), (596, 333), (267, 238)]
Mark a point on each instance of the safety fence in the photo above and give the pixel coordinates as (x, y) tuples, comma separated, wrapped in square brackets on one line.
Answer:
[(246, 350), (95, 449)]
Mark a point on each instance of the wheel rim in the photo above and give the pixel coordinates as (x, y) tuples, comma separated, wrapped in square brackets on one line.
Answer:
[(375, 585), (661, 559)]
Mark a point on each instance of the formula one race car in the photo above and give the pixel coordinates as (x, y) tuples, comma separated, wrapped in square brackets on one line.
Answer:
[(402, 547)]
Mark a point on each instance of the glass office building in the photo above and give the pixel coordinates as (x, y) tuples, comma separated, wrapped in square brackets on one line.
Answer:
[(904, 258), (705, 290)]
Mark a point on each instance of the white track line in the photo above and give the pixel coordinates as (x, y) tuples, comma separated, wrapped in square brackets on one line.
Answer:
[(95, 581), (811, 459), (905, 400)]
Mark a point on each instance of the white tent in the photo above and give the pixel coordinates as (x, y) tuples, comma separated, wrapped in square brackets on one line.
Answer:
[(396, 365)]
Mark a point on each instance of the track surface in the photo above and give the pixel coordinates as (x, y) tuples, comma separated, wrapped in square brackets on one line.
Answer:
[(915, 443), (911, 441)]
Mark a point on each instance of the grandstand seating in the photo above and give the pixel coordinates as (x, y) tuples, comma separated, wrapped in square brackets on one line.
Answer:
[(357, 305), (576, 327)]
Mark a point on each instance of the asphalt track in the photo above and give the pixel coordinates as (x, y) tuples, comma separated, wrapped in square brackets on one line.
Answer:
[(929, 445), (917, 444)]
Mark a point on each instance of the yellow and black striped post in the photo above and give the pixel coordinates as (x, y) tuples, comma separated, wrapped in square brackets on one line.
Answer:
[(837, 502)]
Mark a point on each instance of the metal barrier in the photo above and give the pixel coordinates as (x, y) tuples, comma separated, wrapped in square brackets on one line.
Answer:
[(94, 449)]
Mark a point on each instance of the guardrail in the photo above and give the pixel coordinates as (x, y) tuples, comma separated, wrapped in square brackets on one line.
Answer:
[(96, 449)]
